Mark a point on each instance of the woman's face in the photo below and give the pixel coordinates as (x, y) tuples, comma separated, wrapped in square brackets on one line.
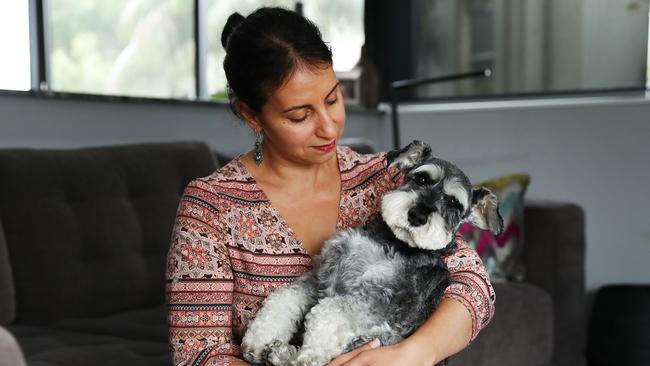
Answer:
[(304, 118)]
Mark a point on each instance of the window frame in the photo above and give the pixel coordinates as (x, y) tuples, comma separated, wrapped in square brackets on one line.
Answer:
[(40, 46), (397, 61)]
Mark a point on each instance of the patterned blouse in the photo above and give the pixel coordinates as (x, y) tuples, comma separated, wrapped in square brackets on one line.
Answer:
[(230, 248)]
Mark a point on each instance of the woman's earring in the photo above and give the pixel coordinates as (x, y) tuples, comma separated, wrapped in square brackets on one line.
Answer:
[(258, 148)]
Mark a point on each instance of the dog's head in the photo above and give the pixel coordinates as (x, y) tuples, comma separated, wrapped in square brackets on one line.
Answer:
[(434, 199)]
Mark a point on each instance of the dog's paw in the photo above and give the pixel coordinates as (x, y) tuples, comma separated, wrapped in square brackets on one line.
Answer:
[(254, 357), (306, 363), (304, 359), (254, 353), (281, 353)]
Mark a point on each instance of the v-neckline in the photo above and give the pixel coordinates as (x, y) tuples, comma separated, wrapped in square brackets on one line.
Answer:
[(283, 222)]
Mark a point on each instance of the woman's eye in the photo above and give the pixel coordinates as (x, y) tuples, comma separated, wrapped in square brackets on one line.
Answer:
[(298, 120), (332, 102)]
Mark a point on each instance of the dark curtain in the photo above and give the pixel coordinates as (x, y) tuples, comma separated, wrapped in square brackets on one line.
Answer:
[(389, 29)]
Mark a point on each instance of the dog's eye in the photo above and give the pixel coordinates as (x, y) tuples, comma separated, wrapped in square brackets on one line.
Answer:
[(452, 201), (422, 179)]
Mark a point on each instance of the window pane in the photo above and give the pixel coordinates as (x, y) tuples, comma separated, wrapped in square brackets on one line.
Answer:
[(218, 13), (532, 46), (15, 65), (123, 47), (340, 22)]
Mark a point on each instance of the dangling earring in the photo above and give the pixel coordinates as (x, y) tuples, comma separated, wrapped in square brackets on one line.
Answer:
[(258, 148)]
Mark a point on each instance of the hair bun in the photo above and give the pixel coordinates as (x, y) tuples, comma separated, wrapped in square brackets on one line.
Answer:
[(233, 21)]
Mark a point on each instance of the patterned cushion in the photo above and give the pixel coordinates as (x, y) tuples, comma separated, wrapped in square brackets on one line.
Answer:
[(502, 254)]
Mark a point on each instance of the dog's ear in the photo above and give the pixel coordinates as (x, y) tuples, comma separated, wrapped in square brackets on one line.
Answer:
[(485, 211), (406, 158)]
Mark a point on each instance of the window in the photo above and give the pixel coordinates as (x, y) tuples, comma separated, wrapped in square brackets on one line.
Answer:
[(172, 48), (218, 13), (15, 67), (122, 47), (340, 22), (532, 47)]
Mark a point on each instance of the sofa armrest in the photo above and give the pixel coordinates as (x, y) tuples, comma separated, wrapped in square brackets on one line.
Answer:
[(7, 289), (554, 258), (9, 349)]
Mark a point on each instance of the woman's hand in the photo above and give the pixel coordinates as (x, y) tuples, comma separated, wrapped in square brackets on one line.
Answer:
[(372, 355)]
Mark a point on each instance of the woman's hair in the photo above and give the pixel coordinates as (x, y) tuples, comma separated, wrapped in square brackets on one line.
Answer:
[(264, 49)]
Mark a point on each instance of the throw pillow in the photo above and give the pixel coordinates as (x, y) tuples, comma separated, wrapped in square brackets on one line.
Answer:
[(502, 254)]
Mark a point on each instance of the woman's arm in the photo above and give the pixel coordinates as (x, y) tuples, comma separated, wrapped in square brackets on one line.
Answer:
[(199, 290), (445, 333), (470, 285)]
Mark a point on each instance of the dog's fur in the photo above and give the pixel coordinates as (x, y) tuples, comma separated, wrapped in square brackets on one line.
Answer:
[(382, 281)]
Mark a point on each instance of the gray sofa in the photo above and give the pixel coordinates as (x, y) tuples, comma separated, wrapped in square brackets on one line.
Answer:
[(84, 235)]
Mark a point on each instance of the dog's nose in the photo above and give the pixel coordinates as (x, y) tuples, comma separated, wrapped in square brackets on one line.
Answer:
[(417, 217)]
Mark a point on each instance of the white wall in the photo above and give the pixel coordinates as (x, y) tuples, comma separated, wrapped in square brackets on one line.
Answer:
[(595, 153), (56, 123), (589, 151)]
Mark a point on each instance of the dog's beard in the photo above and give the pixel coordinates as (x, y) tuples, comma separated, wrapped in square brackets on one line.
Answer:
[(394, 210)]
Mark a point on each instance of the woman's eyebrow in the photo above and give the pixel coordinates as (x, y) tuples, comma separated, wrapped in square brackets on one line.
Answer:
[(307, 105), (334, 88)]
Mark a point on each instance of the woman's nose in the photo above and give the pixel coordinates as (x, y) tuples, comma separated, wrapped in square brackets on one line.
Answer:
[(328, 127)]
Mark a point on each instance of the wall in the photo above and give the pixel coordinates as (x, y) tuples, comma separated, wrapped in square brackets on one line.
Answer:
[(594, 152), (57, 123), (591, 151)]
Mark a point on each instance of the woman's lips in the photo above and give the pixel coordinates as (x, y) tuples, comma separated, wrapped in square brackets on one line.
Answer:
[(327, 148)]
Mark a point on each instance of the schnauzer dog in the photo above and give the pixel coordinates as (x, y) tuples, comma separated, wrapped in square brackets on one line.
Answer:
[(381, 281)]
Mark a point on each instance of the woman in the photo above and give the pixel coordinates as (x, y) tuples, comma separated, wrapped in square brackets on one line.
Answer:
[(256, 223)]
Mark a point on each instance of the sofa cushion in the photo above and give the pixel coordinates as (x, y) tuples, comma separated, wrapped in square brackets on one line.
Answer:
[(521, 332), (88, 229), (139, 324), (46, 347), (7, 301), (554, 256)]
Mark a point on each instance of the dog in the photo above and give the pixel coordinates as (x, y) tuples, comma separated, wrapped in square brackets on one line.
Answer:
[(380, 281)]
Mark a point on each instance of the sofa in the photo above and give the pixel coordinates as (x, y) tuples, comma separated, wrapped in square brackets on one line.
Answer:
[(84, 235)]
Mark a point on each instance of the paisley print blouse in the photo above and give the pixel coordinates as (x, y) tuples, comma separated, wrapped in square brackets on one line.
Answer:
[(230, 248)]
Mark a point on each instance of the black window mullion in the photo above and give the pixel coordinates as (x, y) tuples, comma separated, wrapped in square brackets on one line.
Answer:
[(201, 49), (298, 7), (39, 39)]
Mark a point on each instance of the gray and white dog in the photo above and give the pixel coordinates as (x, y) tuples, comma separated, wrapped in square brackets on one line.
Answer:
[(381, 281)]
